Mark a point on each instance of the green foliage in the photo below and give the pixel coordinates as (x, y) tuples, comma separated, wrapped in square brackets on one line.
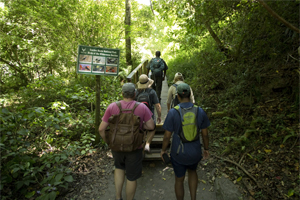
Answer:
[(39, 143)]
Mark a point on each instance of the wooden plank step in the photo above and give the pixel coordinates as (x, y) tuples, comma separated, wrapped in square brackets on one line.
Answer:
[(153, 155), (157, 139)]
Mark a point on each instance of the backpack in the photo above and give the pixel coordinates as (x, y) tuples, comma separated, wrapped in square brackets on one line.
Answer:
[(175, 100), (124, 133), (156, 67), (189, 129), (143, 97)]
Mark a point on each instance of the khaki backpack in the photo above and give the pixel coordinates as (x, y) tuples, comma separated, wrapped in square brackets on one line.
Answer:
[(124, 133)]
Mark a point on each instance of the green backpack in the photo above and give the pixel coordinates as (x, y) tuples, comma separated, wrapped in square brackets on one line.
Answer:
[(156, 67), (188, 116)]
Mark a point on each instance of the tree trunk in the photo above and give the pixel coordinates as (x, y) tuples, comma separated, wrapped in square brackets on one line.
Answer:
[(97, 109), (128, 32)]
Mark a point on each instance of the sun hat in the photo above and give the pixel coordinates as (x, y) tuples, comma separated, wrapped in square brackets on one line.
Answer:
[(144, 82), (183, 88), (178, 75), (128, 88)]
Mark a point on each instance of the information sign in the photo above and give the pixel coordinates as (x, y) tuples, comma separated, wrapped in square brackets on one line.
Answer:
[(98, 61)]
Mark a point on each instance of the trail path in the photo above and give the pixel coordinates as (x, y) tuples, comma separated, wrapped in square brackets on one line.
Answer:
[(94, 180)]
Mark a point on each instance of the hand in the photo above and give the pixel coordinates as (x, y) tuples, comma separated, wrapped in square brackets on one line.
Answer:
[(205, 154), (147, 147), (161, 154), (158, 120)]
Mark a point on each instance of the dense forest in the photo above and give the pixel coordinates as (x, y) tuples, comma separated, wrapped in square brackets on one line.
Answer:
[(240, 57)]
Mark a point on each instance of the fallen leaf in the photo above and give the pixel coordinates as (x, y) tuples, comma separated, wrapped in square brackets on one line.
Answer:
[(239, 179), (268, 150), (203, 181), (281, 146)]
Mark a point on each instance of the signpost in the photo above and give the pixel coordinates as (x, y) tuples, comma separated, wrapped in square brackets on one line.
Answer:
[(97, 61)]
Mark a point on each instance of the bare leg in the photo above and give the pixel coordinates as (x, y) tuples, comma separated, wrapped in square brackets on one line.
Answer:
[(150, 136), (130, 189), (193, 183), (179, 188), (119, 181)]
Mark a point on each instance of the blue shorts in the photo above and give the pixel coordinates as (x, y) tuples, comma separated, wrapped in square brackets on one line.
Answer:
[(180, 169)]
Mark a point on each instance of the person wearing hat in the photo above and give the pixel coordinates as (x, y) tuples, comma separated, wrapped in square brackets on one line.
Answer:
[(144, 89), (129, 162), (178, 79), (185, 156)]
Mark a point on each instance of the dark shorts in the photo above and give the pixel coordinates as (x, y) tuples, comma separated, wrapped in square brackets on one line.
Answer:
[(180, 169), (131, 162)]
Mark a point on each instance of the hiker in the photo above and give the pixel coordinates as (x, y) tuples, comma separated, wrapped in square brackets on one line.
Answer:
[(158, 69), (148, 96), (185, 150), (129, 162), (172, 99)]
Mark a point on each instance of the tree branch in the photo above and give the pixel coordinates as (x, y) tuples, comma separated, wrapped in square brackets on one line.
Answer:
[(242, 168), (274, 14), (151, 7)]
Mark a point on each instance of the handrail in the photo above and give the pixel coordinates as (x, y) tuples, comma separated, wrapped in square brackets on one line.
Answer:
[(139, 70)]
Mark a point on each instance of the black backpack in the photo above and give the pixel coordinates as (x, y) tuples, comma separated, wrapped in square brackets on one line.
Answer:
[(175, 100), (144, 97)]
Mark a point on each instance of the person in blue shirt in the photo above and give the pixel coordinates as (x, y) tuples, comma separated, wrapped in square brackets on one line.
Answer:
[(185, 156)]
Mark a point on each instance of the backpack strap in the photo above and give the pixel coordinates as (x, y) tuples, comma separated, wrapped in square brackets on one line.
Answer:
[(119, 105), (135, 105)]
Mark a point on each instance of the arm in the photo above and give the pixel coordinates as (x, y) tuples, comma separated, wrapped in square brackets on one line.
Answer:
[(149, 125), (192, 99), (170, 96), (166, 141), (158, 110), (168, 106), (102, 128), (204, 133)]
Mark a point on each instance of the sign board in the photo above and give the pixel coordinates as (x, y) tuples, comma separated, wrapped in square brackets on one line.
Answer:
[(98, 61)]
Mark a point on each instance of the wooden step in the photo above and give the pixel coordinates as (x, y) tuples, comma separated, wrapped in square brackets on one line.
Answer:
[(153, 155), (157, 139)]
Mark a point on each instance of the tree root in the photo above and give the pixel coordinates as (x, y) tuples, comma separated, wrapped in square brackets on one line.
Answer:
[(242, 168)]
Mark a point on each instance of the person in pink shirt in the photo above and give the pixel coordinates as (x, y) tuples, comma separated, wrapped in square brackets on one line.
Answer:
[(129, 162)]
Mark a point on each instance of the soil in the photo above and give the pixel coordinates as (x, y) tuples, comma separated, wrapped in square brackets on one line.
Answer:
[(93, 179)]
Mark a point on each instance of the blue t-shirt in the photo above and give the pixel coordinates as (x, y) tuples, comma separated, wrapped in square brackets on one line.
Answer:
[(192, 150)]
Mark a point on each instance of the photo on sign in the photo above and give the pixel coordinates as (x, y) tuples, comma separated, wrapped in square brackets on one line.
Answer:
[(98, 68), (85, 58), (111, 70), (98, 60), (84, 67), (111, 61)]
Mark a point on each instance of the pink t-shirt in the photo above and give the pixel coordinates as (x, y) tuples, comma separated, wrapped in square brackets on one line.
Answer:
[(141, 110)]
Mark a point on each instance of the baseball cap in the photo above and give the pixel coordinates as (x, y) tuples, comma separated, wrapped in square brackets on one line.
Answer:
[(128, 87), (183, 88)]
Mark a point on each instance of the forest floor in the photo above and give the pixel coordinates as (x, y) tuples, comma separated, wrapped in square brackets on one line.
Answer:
[(276, 177)]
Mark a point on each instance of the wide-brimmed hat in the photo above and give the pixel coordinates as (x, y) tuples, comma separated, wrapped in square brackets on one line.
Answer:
[(144, 82), (177, 75)]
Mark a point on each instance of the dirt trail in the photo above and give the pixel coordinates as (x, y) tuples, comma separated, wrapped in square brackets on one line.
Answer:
[(94, 180)]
